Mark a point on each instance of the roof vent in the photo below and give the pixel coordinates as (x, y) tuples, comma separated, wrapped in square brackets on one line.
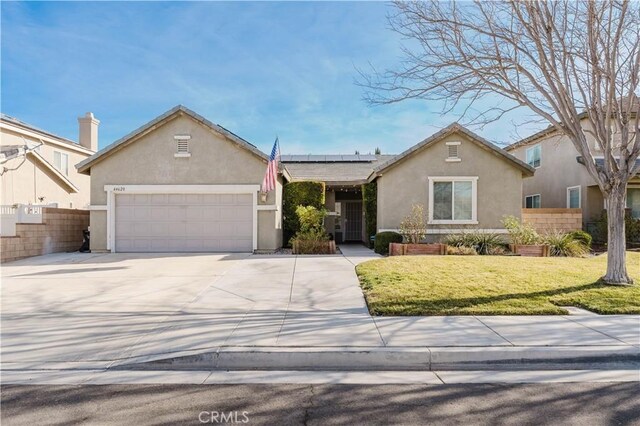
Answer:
[(182, 145), (452, 151)]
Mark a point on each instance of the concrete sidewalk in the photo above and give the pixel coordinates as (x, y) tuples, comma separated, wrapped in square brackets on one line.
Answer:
[(262, 311)]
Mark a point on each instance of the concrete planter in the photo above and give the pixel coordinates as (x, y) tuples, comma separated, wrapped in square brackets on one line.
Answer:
[(314, 247), (396, 249), (538, 250)]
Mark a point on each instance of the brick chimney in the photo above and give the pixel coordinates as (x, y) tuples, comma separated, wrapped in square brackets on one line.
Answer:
[(88, 137)]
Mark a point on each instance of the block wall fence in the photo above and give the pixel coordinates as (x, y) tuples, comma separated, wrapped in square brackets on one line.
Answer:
[(549, 220), (60, 231)]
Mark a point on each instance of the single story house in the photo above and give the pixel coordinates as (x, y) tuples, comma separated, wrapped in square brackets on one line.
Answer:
[(183, 183)]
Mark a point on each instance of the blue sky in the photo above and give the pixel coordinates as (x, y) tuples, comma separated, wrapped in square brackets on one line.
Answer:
[(258, 69)]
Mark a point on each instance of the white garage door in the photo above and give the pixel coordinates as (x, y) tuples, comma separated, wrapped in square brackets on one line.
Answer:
[(184, 222)]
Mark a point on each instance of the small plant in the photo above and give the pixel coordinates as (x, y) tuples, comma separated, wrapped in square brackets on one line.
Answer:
[(461, 251), (414, 226), (582, 236), (310, 218), (483, 243), (565, 245), (311, 237), (383, 239), (521, 233)]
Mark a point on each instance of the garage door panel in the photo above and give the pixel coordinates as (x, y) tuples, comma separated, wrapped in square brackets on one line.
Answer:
[(177, 230), (158, 213), (184, 222), (176, 213), (244, 200), (140, 199), (196, 213)]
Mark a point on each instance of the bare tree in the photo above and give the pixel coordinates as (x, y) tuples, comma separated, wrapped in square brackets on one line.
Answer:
[(566, 61)]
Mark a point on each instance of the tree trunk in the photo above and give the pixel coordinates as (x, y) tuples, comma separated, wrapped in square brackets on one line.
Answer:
[(616, 242)]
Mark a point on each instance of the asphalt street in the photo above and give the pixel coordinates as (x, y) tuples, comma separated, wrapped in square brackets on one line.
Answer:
[(468, 404)]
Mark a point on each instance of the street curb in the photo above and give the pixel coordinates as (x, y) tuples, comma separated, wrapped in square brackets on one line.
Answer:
[(388, 358)]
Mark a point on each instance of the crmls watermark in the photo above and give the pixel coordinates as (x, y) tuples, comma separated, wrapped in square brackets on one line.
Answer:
[(223, 417)]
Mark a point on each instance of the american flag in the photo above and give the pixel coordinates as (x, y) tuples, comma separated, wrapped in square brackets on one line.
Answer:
[(270, 176)]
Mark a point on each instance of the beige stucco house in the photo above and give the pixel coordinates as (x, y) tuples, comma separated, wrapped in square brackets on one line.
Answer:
[(463, 181), (560, 180), (38, 166), (183, 183)]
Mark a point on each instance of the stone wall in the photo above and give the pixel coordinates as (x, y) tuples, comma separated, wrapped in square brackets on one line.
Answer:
[(60, 231), (548, 220)]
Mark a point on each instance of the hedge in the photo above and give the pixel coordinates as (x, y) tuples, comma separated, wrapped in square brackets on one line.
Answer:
[(381, 245), (294, 194), (370, 205)]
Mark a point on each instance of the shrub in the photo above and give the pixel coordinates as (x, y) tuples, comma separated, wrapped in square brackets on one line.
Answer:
[(631, 228), (383, 239), (370, 205), (561, 244), (520, 233), (310, 219), (582, 236), (483, 243), (312, 236), (461, 250), (296, 194), (414, 226)]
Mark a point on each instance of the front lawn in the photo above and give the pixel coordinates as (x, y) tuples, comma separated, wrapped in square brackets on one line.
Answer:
[(494, 285)]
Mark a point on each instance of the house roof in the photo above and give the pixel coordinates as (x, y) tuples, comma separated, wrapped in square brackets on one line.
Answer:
[(51, 136), (600, 161), (452, 128), (635, 107), (331, 171), (85, 165)]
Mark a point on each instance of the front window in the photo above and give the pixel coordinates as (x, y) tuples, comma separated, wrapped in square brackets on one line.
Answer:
[(532, 201), (633, 202), (573, 197), (61, 162), (453, 200), (534, 155)]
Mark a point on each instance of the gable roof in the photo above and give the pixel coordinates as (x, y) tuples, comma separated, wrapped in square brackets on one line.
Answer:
[(51, 169), (85, 165), (323, 168), (530, 139), (438, 136)]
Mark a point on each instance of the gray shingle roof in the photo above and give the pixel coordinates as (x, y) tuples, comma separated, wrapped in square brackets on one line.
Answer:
[(336, 172)]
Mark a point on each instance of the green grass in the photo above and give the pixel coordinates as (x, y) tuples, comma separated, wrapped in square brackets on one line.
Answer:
[(494, 285)]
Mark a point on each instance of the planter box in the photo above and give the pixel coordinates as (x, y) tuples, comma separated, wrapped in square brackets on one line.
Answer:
[(396, 249), (318, 247), (539, 250)]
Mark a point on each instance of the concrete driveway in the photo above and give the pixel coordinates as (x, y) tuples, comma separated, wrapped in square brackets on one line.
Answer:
[(96, 309)]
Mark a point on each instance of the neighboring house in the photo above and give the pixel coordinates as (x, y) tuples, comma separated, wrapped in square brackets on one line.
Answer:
[(37, 166), (183, 183), (560, 180)]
